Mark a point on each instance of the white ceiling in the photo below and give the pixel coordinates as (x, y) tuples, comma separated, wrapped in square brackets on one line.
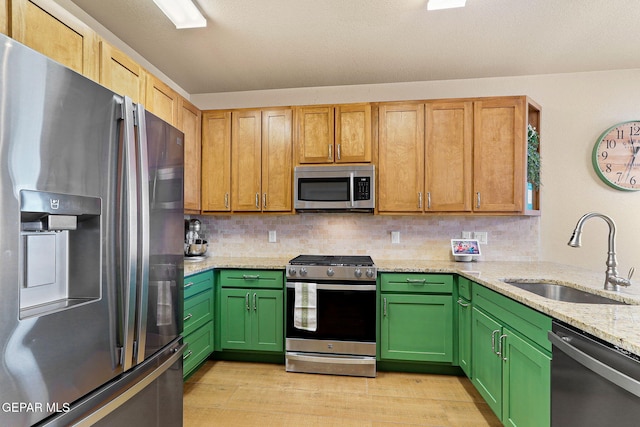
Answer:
[(272, 44)]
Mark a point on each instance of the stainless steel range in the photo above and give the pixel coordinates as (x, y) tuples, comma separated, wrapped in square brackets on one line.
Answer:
[(331, 315)]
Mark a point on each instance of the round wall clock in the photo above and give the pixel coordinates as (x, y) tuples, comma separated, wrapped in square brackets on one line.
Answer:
[(616, 156)]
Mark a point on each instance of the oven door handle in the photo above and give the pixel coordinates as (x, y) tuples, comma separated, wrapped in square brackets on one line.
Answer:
[(603, 370), (338, 287), (353, 360)]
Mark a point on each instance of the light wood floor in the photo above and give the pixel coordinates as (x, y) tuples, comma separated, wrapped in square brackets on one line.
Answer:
[(240, 394)]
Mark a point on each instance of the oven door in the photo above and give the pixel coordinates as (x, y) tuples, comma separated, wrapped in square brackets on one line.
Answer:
[(346, 320)]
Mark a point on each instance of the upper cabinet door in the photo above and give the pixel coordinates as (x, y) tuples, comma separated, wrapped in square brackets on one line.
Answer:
[(276, 160), (121, 74), (499, 154), (216, 161), (401, 158), (45, 26), (189, 122), (4, 20), (353, 133), (448, 156), (315, 134), (246, 160), (161, 100)]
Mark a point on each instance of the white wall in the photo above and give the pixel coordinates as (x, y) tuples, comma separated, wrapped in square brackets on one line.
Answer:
[(576, 109)]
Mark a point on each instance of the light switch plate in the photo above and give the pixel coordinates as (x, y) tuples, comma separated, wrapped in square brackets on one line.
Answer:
[(395, 237), (481, 236), (465, 235), (272, 236)]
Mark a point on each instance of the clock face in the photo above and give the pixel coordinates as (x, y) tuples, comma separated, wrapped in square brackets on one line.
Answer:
[(616, 156)]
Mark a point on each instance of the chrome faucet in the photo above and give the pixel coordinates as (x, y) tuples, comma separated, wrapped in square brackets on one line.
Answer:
[(612, 281)]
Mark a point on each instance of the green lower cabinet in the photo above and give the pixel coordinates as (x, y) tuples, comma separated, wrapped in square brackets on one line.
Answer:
[(464, 336), (512, 375), (252, 319), (198, 328), (199, 347), (416, 327)]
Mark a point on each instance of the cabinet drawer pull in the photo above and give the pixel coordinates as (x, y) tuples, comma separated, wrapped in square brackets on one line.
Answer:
[(255, 304), (246, 302), (187, 355), (187, 317), (188, 285), (417, 281), (384, 307), (462, 303), (493, 342), (250, 276), (504, 358)]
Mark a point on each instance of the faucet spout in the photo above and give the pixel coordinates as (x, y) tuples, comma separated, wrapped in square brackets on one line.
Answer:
[(612, 280)]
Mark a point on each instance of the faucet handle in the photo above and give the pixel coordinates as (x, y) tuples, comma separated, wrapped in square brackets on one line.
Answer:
[(631, 271)]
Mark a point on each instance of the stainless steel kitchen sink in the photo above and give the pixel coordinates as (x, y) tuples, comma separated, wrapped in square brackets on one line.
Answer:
[(563, 293)]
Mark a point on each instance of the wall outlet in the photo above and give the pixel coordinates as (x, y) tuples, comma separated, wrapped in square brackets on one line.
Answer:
[(272, 236), (481, 236), (466, 235), (395, 237)]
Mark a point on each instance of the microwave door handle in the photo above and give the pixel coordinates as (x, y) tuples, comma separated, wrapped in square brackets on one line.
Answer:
[(352, 189)]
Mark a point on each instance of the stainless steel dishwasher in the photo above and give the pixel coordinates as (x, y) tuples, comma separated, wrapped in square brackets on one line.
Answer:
[(593, 383)]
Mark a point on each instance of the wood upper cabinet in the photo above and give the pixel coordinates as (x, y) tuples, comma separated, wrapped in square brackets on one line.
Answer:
[(499, 154), (246, 155), (277, 160), (189, 122), (261, 160), (401, 157), (216, 161), (448, 156), (45, 26), (161, 100), (4, 17), (121, 74), (334, 134)]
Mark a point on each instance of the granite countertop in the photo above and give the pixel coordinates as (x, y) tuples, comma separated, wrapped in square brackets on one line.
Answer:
[(617, 324)]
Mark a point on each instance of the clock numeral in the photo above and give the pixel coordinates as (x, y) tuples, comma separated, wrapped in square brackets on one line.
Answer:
[(611, 144), (620, 133), (634, 130), (607, 168), (619, 175), (632, 181), (604, 155)]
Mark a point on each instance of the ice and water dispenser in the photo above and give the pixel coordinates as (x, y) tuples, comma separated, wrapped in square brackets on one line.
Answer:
[(60, 248)]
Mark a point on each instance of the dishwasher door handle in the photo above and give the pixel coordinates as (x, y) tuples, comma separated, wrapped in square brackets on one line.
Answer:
[(616, 377)]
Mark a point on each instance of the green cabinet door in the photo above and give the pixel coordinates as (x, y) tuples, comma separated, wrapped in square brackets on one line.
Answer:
[(487, 364), (267, 320), (464, 336), (235, 310), (417, 327), (527, 383)]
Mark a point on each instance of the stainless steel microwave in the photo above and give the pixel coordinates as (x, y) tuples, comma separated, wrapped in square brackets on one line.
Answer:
[(334, 188)]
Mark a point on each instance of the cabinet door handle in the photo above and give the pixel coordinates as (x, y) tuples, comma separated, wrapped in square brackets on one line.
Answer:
[(384, 307), (226, 200), (478, 200), (462, 303), (255, 302), (420, 200), (246, 302), (264, 200), (187, 355), (504, 357), (257, 200), (187, 317), (428, 200), (330, 152), (338, 151), (188, 285), (493, 342)]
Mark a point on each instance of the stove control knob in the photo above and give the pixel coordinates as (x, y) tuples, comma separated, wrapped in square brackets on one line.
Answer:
[(303, 271), (357, 272), (330, 272), (292, 271), (369, 273)]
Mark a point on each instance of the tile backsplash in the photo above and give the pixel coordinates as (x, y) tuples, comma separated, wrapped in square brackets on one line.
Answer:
[(510, 238)]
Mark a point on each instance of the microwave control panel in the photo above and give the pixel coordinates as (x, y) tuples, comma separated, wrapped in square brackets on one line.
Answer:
[(362, 188)]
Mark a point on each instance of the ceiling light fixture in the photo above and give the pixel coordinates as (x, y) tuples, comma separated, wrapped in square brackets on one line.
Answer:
[(445, 4), (183, 13)]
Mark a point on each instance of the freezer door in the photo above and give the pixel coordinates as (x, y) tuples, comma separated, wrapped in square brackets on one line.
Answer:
[(61, 281)]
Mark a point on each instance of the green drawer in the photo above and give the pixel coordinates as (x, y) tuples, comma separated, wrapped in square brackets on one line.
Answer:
[(198, 283), (273, 279), (199, 347), (198, 310), (530, 323), (416, 282), (464, 288)]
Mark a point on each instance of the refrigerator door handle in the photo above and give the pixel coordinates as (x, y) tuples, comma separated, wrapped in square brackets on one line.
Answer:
[(143, 232), (129, 236)]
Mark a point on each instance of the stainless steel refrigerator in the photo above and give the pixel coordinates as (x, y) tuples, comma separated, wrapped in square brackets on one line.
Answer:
[(91, 252)]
